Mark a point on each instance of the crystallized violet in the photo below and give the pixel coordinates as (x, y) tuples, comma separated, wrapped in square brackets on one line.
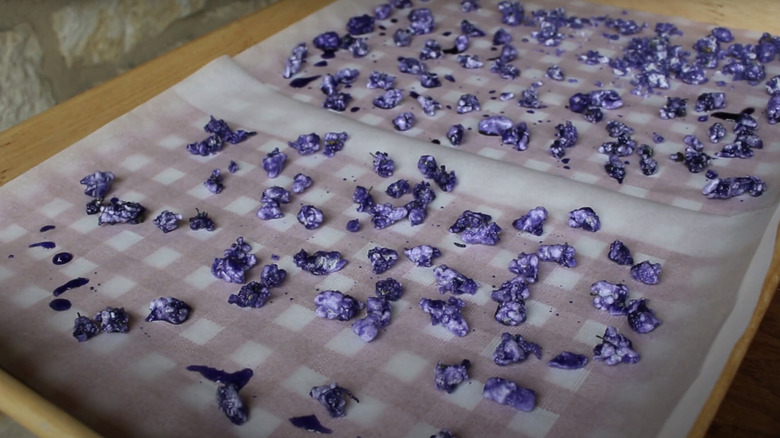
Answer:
[(273, 163), (310, 217), (113, 320), (97, 184), (507, 392), (319, 263), (84, 328), (452, 281), (641, 318), (232, 268), (333, 398), (447, 377), (382, 259), (253, 294), (447, 313), (584, 218), (333, 304), (615, 349), (532, 222), (121, 212), (422, 255), (620, 254), (167, 221), (515, 349), (646, 272), (169, 309), (562, 254), (567, 360), (610, 297)]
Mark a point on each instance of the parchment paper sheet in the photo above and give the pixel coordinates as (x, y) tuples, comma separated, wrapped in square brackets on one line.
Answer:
[(136, 384)]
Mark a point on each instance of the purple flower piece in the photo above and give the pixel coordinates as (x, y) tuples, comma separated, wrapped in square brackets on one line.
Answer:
[(168, 309), (301, 182), (421, 21), (416, 212), (620, 254), (579, 102), (646, 272), (666, 30), (567, 133), (363, 198), (253, 294), (532, 222), (399, 188), (507, 392), (517, 136), (615, 348), (469, 29), (647, 164), (722, 34), (494, 125), (501, 37), (504, 69), (548, 34), (641, 318), (515, 289), (469, 219), (716, 132), (562, 254), (201, 221), (710, 101), (529, 98), (725, 188), (452, 281), (468, 6), (389, 100), (383, 11), (113, 320), (94, 206), (310, 217), (332, 304), (327, 42), (273, 163), (353, 226), (616, 129), (404, 122), (615, 168), (382, 259), (209, 146), (214, 183), (584, 218), (610, 297), (269, 209), (97, 183), (431, 50), (526, 266), (593, 57), (510, 313), (515, 349), (555, 73), (430, 80), (384, 166), (772, 85), (231, 405), (121, 212), (220, 128), (675, 107), (167, 221), (333, 142), (468, 103), (428, 105), (319, 263), (367, 328), (447, 377), (738, 149), (360, 25), (380, 309), (461, 43), (455, 134), (381, 80), (624, 27), (306, 144), (512, 13), (470, 61), (607, 99), (333, 397), (347, 76), (232, 167), (272, 275), (411, 66), (294, 64), (337, 102), (422, 255), (84, 328), (428, 167), (232, 268), (447, 313), (624, 146), (423, 192), (403, 37), (567, 360), (389, 289)]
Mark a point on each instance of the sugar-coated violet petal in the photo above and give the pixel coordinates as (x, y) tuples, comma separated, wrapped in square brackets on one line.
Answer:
[(411, 66), (113, 320), (168, 309), (707, 102), (389, 100), (272, 275), (511, 313), (404, 121), (360, 25), (332, 304), (306, 144), (620, 254), (333, 142), (273, 163), (381, 80), (399, 188), (301, 182), (337, 102), (507, 392), (512, 13), (610, 297), (615, 168), (725, 188), (232, 167), (452, 281), (423, 192), (555, 73), (468, 103), (84, 328), (469, 219), (389, 289), (367, 328), (567, 360), (422, 255), (121, 212), (320, 262), (615, 348), (269, 209), (446, 313), (515, 349), (253, 294), (431, 50), (421, 21), (532, 222), (675, 107), (97, 184), (641, 318), (526, 266), (231, 405), (380, 309), (384, 215), (294, 63), (515, 289), (327, 42), (584, 218), (417, 212), (517, 136), (93, 206), (428, 167), (501, 37), (201, 221), (403, 37), (167, 221), (382, 259), (646, 272), (384, 166), (353, 225), (363, 198), (430, 80), (494, 125), (455, 134), (310, 217), (333, 398), (447, 377), (428, 105), (503, 68), (232, 268), (563, 254), (214, 182), (470, 61), (529, 98)]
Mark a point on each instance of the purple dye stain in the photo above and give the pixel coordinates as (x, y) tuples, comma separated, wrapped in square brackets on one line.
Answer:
[(354, 109), (59, 304), (302, 82), (72, 284), (239, 378), (46, 228), (322, 63), (45, 244), (61, 258), (309, 423)]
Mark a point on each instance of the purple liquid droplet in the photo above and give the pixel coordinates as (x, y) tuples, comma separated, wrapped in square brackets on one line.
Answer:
[(72, 284), (59, 304), (44, 244), (61, 258)]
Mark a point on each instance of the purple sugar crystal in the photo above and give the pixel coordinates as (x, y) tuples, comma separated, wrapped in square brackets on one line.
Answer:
[(455, 134), (447, 377), (616, 128), (452, 281), (84, 328), (232, 268), (615, 168), (381, 80), (333, 397), (367, 328), (532, 222), (423, 192), (526, 267), (98, 184), (641, 318), (430, 80), (167, 221), (332, 304), (567, 360), (610, 297), (301, 182), (431, 50), (494, 125), (220, 133), (399, 188), (555, 73), (384, 166), (562, 254), (422, 255), (501, 37), (512, 13), (476, 228), (389, 100), (337, 102), (232, 167), (428, 167), (382, 259), (515, 349), (507, 392), (584, 218), (468, 103), (201, 221), (383, 11), (646, 272), (310, 217), (113, 320), (121, 212), (620, 254), (389, 289), (272, 275), (515, 289), (277, 194), (214, 182), (403, 37), (273, 163), (319, 263), (469, 29), (306, 144), (529, 98), (615, 348), (169, 309), (253, 294), (446, 313), (470, 61), (469, 219)]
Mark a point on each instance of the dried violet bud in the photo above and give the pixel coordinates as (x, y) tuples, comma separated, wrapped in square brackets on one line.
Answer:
[(381, 80), (422, 255), (675, 107), (447, 377), (333, 142), (567, 360), (121, 212), (646, 272), (428, 105), (201, 221), (232, 268), (532, 222), (561, 254), (353, 226), (97, 184), (615, 348), (253, 294), (421, 21), (214, 183), (384, 215), (584, 218), (507, 392), (515, 349), (452, 281), (231, 405), (310, 217), (294, 64), (306, 144), (84, 328), (707, 102), (168, 309), (319, 263), (447, 313), (725, 188), (360, 25), (269, 209), (382, 259), (167, 221), (363, 198), (526, 267), (301, 182), (273, 163), (389, 100), (555, 73), (113, 320), (333, 397), (610, 297), (641, 318), (511, 313), (389, 289), (620, 254), (384, 166), (468, 103), (455, 134), (404, 121), (332, 304)]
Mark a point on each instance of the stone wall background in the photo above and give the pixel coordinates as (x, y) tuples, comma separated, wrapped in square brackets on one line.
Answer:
[(51, 50)]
